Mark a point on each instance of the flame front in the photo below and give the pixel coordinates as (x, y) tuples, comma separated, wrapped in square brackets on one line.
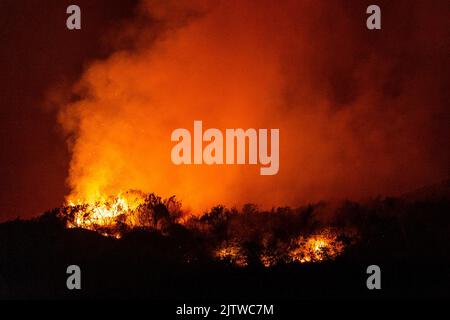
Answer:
[(232, 253), (318, 247), (315, 248), (113, 215), (256, 64)]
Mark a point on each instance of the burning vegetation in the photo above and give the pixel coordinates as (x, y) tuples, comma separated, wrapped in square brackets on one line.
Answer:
[(114, 215), (240, 238), (317, 247), (314, 251)]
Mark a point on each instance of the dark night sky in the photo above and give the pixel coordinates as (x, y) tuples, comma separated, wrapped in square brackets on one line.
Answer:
[(37, 52)]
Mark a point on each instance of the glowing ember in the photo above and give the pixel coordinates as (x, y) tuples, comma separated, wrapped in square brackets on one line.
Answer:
[(315, 248), (113, 216), (233, 253)]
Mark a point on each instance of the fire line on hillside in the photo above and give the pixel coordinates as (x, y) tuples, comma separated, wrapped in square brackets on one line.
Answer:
[(116, 215)]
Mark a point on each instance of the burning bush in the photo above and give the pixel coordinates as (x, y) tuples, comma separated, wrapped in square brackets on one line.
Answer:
[(241, 238), (114, 215), (322, 246)]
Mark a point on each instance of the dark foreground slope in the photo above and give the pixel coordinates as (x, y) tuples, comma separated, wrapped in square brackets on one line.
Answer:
[(409, 239)]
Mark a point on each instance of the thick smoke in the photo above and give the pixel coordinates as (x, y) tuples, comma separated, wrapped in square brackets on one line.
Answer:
[(360, 112)]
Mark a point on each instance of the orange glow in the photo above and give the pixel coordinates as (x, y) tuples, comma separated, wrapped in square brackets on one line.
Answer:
[(303, 249), (105, 212), (319, 247), (232, 253), (247, 64), (113, 215)]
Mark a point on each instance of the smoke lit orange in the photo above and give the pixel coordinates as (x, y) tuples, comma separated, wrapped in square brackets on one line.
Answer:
[(245, 64)]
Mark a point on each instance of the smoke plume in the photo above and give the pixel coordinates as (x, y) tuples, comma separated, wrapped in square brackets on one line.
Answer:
[(360, 112)]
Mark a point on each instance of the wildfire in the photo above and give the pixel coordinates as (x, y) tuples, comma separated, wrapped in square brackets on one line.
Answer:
[(113, 216), (322, 246), (233, 253), (110, 216), (315, 248), (101, 213)]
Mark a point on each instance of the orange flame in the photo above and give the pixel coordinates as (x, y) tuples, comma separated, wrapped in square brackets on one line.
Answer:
[(315, 248), (322, 246)]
